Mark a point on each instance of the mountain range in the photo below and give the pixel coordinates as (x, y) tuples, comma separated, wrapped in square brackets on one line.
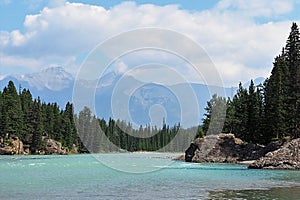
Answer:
[(123, 97)]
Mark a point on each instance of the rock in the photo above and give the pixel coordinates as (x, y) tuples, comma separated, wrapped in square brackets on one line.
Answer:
[(286, 157), (53, 147), (6, 151), (12, 146), (18, 146), (190, 152), (226, 148)]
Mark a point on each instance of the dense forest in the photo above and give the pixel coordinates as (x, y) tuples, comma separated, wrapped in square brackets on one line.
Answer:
[(100, 136), (31, 120), (268, 111)]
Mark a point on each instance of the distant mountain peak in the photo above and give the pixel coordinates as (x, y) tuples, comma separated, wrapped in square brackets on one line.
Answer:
[(57, 71), (53, 78)]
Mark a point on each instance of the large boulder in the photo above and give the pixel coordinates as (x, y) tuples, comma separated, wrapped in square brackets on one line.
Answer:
[(226, 148), (53, 147), (222, 148), (286, 157)]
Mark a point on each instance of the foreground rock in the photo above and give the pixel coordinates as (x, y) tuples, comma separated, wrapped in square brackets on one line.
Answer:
[(287, 157), (226, 148)]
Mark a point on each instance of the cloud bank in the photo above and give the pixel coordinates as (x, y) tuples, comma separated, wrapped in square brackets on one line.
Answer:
[(241, 37)]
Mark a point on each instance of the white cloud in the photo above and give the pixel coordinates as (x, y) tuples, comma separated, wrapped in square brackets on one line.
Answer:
[(240, 47)]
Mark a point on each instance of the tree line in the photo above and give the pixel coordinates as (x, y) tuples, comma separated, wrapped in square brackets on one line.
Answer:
[(268, 111), (118, 135), (32, 120)]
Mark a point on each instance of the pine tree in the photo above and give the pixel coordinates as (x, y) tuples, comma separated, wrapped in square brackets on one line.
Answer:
[(275, 100), (84, 129), (26, 104), (229, 120), (70, 133), (293, 95), (12, 115), (240, 103), (37, 127), (49, 120), (57, 123), (215, 115), (253, 106)]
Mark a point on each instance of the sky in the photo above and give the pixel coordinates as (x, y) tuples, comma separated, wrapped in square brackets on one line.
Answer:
[(241, 37)]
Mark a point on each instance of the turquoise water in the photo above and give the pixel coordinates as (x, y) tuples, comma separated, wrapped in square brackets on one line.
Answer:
[(138, 176)]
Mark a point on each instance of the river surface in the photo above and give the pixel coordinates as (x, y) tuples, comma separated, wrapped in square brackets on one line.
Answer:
[(138, 176)]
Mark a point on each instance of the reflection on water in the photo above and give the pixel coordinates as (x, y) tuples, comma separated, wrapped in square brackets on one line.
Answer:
[(292, 193)]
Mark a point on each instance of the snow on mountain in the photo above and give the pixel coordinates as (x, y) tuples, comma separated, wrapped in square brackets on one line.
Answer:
[(54, 78), (127, 95)]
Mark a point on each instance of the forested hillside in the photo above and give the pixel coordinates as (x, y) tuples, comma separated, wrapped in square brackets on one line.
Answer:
[(270, 111), (31, 121)]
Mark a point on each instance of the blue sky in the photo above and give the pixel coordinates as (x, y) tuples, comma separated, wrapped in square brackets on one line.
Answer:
[(13, 12), (241, 37)]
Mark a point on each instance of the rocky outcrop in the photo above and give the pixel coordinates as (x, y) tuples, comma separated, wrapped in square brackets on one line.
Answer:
[(11, 147), (14, 146), (287, 157), (226, 148), (53, 147)]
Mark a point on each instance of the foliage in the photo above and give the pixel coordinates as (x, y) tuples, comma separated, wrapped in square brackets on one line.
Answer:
[(31, 120)]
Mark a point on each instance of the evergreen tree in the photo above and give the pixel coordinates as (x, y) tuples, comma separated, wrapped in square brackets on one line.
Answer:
[(70, 133), (12, 116), (229, 120), (37, 127), (49, 120), (253, 106), (275, 100), (57, 123), (26, 104), (215, 115), (293, 95), (241, 112), (84, 129)]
